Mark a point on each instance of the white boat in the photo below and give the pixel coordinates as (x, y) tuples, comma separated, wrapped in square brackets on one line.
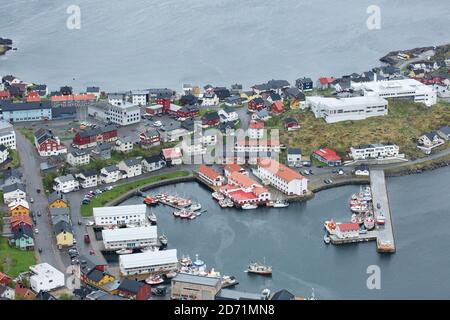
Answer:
[(198, 264), (152, 280), (249, 206), (228, 281), (218, 196), (259, 268), (280, 204), (369, 223), (124, 251), (185, 261), (195, 207), (152, 218), (326, 239), (163, 239), (171, 274)]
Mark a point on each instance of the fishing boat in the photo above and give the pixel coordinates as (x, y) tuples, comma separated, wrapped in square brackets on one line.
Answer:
[(195, 207), (124, 251), (223, 203), (330, 226), (150, 201), (380, 219), (258, 268), (228, 281), (184, 214), (217, 196), (152, 218), (280, 204), (153, 280), (163, 239), (249, 206), (326, 239), (198, 264), (359, 208), (192, 216), (369, 223), (177, 213), (230, 204), (185, 261)]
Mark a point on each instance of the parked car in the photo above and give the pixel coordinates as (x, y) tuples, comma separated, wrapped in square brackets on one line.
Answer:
[(31, 200), (36, 230), (87, 239), (306, 172)]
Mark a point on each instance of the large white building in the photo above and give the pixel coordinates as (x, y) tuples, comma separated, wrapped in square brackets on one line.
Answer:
[(139, 97), (124, 114), (120, 215), (7, 135), (374, 151), (45, 278), (148, 262), (66, 184), (281, 177), (403, 88), (343, 109), (130, 238)]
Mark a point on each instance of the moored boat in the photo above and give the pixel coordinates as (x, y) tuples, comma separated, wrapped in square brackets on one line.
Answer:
[(280, 204), (185, 261), (369, 223), (150, 201), (171, 274), (153, 280), (195, 207), (258, 268), (330, 226), (326, 239), (217, 196), (163, 239), (249, 206), (228, 281), (124, 251), (152, 218)]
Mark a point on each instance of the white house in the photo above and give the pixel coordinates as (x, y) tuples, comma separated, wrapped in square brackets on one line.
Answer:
[(46, 278), (210, 176), (78, 158), (344, 109), (210, 99), (281, 177), (139, 97), (7, 135), (361, 170), (430, 140), (7, 292), (444, 132), (294, 157), (132, 167), (87, 179), (228, 114), (148, 262), (4, 153), (347, 230), (124, 114), (13, 192), (374, 151), (256, 130), (121, 215), (129, 238), (116, 98), (257, 146), (110, 174), (153, 163), (66, 184), (124, 144)]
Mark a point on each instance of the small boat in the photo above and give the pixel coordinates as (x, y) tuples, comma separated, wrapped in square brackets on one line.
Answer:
[(177, 213), (192, 216), (195, 207), (163, 239), (198, 264), (150, 201), (279, 204), (326, 239), (156, 279), (185, 214), (249, 206), (369, 223), (230, 204), (218, 196), (185, 261), (330, 226), (124, 251), (223, 203), (260, 269), (171, 274), (152, 218), (228, 281)]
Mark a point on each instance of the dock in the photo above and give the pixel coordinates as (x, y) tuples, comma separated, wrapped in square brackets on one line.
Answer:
[(385, 238)]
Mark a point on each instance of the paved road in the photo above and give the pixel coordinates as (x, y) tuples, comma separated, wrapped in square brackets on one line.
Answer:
[(30, 161)]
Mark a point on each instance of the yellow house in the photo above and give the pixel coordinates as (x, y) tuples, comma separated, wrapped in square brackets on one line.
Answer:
[(19, 207), (248, 95), (98, 278), (57, 200), (63, 233)]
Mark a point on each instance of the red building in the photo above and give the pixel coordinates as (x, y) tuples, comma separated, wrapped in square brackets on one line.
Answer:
[(327, 156), (76, 100), (188, 112), (21, 220), (90, 138), (134, 290), (277, 107), (256, 104), (150, 138), (33, 97), (291, 123), (4, 279), (48, 144), (210, 119), (5, 95), (154, 110)]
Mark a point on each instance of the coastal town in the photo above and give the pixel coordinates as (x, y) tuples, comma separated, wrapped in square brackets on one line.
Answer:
[(70, 159)]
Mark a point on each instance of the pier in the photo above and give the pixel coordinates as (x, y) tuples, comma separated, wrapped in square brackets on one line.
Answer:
[(385, 238)]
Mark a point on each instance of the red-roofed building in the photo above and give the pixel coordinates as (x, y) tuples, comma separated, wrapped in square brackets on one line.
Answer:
[(71, 100), (242, 189), (325, 82), (281, 177), (347, 230), (233, 167), (277, 107), (5, 95), (21, 220), (4, 279), (23, 292), (210, 176), (256, 130), (33, 97), (328, 157), (172, 156)]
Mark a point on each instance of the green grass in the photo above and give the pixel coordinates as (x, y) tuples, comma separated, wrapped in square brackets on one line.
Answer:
[(14, 261), (28, 133), (105, 197), (15, 159)]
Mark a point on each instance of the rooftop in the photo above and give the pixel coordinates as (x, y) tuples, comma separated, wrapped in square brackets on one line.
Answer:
[(124, 234), (148, 258)]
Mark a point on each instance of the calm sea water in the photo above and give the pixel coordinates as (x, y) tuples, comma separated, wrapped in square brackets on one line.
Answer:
[(291, 240), (149, 43)]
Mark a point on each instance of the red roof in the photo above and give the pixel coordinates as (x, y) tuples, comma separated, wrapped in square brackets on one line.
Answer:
[(279, 169), (345, 227), (242, 180), (33, 97), (172, 153), (256, 125), (21, 218), (4, 94), (328, 154), (242, 195), (4, 279), (232, 167), (78, 97), (209, 172), (277, 106), (326, 80)]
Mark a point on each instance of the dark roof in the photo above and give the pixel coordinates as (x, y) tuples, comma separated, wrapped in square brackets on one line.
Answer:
[(213, 115), (7, 105), (89, 173), (44, 295), (111, 168), (362, 167), (55, 196), (445, 130), (130, 286), (95, 275), (62, 226), (92, 89), (430, 135), (96, 131), (3, 147), (12, 172), (13, 187), (153, 159), (132, 162), (294, 151), (103, 146), (283, 295), (277, 84), (23, 231), (288, 120)]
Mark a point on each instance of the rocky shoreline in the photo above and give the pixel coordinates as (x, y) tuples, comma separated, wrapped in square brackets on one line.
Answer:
[(430, 167)]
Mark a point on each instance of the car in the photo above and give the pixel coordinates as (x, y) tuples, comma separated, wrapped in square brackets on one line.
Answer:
[(328, 181), (74, 241), (38, 190), (39, 214), (89, 224), (310, 171), (31, 200), (36, 230), (40, 250), (79, 223), (109, 188), (341, 172), (157, 123), (91, 252), (306, 172)]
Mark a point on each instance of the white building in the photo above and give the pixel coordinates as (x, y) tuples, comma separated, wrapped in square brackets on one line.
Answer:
[(132, 167), (347, 230), (256, 130), (66, 184), (139, 97), (228, 114), (14, 192), (7, 135), (148, 262), (116, 98), (78, 158), (257, 146), (130, 238), (403, 88), (120, 215), (210, 99), (87, 179), (153, 163), (46, 278), (124, 114), (3, 153), (374, 151), (281, 177), (124, 144), (110, 174), (294, 156), (343, 109)]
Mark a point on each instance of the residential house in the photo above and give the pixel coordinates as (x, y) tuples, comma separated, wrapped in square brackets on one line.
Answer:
[(78, 158), (233, 167), (374, 151), (430, 139), (48, 144), (304, 84), (22, 238), (66, 91), (93, 90), (23, 293), (6, 292), (327, 156), (257, 146), (361, 170), (57, 200), (134, 290), (64, 234), (273, 97), (7, 135), (210, 99), (188, 100), (98, 278), (256, 104), (294, 157), (325, 82), (124, 144), (149, 138), (92, 137), (13, 192), (66, 184), (131, 167), (153, 163), (295, 97), (87, 179), (4, 153), (222, 93), (102, 151), (228, 114), (164, 99), (19, 221), (281, 177), (193, 287), (233, 101), (11, 176), (277, 107), (110, 174), (256, 130), (41, 89), (262, 115), (210, 119), (19, 207), (5, 279), (291, 124), (210, 176), (139, 97), (172, 156), (444, 132), (60, 214), (116, 98)]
